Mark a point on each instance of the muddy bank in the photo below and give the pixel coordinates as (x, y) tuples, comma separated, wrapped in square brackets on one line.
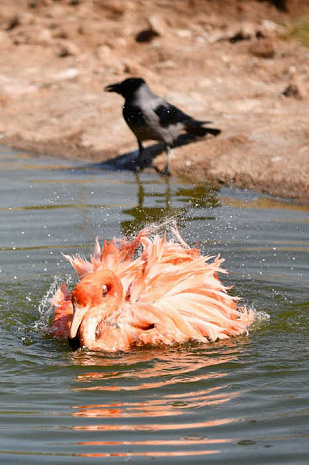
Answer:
[(229, 62)]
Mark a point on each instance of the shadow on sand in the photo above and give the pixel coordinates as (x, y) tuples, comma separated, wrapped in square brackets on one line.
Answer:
[(127, 161)]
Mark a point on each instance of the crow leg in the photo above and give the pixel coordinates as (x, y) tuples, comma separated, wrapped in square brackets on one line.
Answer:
[(167, 166), (166, 170), (139, 160)]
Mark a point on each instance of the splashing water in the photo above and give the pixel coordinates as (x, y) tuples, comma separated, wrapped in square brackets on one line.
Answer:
[(241, 400), (45, 308)]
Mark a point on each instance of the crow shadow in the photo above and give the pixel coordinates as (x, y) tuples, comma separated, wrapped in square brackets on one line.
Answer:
[(127, 161)]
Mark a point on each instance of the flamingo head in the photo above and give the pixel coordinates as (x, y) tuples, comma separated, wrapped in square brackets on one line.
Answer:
[(94, 299)]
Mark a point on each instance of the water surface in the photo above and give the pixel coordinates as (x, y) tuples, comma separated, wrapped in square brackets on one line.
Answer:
[(244, 401)]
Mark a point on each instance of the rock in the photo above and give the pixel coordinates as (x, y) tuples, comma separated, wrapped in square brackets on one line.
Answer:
[(240, 35), (13, 22), (157, 24), (56, 11), (247, 31), (104, 53), (60, 33), (262, 48), (235, 33), (70, 73), (270, 28), (156, 28), (66, 48), (43, 36), (107, 56), (114, 8), (216, 36), (147, 35), (291, 70), (32, 34), (131, 67), (39, 3), (21, 19), (293, 91), (183, 33), (168, 64)]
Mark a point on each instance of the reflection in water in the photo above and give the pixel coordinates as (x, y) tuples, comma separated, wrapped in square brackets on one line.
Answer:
[(156, 426), (167, 203), (162, 372), (247, 400), (143, 215), (200, 196), (162, 442), (187, 380), (151, 454), (268, 203)]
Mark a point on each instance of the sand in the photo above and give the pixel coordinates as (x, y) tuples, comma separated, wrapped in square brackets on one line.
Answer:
[(226, 61)]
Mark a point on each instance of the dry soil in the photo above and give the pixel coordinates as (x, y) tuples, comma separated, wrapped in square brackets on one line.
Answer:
[(227, 61)]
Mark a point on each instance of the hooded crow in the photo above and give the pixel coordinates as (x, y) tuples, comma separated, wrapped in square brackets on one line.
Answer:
[(150, 117)]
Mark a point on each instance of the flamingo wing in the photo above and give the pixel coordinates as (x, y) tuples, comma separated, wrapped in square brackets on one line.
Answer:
[(184, 297), (63, 312), (172, 293)]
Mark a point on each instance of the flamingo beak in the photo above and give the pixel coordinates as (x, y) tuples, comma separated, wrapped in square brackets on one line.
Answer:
[(78, 316)]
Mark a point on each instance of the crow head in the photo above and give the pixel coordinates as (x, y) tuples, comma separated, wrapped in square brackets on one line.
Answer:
[(126, 88)]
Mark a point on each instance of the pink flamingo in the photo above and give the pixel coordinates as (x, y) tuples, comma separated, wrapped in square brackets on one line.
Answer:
[(168, 294)]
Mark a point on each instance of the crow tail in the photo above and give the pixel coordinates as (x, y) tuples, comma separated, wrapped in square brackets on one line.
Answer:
[(198, 130)]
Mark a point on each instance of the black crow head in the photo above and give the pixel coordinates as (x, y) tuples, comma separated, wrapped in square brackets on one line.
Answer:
[(126, 88)]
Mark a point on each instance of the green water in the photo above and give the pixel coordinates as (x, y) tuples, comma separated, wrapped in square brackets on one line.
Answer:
[(244, 401)]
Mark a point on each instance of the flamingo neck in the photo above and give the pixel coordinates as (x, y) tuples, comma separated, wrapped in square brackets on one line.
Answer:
[(96, 298), (88, 328), (95, 319)]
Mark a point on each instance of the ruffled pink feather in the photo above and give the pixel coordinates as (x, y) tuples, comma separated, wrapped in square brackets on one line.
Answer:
[(171, 294)]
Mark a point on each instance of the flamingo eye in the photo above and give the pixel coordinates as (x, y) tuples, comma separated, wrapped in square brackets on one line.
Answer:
[(104, 290)]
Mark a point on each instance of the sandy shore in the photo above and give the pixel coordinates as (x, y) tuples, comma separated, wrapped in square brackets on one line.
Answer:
[(227, 62)]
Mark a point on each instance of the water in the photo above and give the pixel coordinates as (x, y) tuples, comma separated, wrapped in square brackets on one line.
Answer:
[(244, 401)]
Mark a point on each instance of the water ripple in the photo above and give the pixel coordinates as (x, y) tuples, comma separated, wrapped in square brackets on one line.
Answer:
[(238, 402)]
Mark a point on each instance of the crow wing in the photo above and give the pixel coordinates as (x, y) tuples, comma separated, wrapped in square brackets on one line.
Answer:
[(169, 114)]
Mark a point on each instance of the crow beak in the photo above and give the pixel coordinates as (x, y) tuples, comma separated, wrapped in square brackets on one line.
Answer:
[(113, 88)]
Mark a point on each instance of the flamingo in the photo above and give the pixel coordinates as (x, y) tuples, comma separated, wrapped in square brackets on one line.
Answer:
[(147, 291)]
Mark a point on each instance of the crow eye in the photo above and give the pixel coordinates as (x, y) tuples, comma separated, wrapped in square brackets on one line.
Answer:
[(104, 290)]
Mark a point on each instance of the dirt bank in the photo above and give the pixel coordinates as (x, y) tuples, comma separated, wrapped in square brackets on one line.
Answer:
[(227, 61)]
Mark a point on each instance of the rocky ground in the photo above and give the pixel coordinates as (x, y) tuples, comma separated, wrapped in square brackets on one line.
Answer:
[(228, 61)]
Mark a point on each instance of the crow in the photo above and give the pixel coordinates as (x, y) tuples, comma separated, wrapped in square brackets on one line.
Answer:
[(151, 117)]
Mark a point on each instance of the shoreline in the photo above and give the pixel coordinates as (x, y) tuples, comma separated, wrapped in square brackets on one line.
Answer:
[(236, 69), (277, 192)]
